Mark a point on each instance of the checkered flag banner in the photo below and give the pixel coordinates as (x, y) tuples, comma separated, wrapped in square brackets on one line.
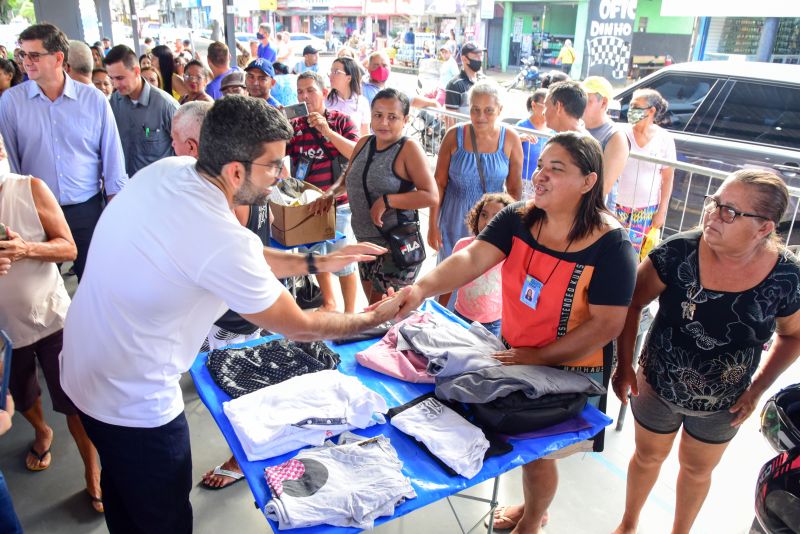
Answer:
[(611, 51)]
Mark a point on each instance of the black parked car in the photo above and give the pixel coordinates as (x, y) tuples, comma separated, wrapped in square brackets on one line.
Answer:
[(728, 116)]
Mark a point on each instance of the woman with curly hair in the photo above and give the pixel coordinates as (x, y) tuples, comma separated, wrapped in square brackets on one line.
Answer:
[(481, 300)]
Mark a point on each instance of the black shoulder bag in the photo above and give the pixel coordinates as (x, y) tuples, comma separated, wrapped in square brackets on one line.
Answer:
[(405, 240)]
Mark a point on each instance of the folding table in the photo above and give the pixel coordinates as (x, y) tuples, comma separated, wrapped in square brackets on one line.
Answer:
[(428, 478)]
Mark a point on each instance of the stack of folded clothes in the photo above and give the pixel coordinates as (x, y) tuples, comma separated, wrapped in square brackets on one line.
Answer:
[(304, 410), (424, 347), (347, 485), (515, 399)]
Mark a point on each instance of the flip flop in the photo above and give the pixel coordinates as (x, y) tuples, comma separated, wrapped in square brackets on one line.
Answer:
[(40, 458), (97, 502), (502, 511), (502, 517), (219, 471)]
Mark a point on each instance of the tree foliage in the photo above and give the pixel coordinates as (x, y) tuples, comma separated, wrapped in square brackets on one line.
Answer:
[(13, 8)]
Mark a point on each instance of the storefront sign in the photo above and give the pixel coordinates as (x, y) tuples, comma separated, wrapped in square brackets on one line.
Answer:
[(608, 38)]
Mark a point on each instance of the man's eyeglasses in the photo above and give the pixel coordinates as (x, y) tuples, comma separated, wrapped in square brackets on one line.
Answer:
[(33, 56), (726, 213), (274, 168)]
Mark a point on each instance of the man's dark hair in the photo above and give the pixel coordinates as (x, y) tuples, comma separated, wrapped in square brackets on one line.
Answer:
[(554, 76), (124, 54), (218, 54), (281, 68), (394, 94), (99, 69), (53, 39), (235, 129), (311, 75), (571, 95)]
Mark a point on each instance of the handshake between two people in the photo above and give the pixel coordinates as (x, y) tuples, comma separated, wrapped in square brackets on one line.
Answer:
[(395, 305)]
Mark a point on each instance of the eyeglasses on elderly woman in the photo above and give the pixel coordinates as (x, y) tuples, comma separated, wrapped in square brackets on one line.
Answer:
[(726, 213)]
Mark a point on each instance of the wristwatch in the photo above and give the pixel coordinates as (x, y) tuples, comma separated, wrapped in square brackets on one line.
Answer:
[(311, 261), (386, 201)]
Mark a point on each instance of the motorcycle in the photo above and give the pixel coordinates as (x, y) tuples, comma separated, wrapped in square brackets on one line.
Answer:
[(527, 78)]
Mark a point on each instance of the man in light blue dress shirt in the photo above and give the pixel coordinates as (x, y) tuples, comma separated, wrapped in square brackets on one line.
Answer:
[(64, 133)]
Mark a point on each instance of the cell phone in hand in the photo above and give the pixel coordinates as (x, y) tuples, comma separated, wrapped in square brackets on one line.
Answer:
[(296, 110), (4, 232)]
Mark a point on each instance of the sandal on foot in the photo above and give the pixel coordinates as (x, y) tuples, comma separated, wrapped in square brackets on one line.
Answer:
[(97, 502), (219, 471), (507, 522), (39, 457)]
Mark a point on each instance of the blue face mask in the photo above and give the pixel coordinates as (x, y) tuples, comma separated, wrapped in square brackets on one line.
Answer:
[(260, 36)]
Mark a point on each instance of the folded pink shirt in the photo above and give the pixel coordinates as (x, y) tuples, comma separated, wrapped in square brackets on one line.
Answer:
[(384, 357)]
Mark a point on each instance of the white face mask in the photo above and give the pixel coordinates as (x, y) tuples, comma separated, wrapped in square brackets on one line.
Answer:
[(5, 170)]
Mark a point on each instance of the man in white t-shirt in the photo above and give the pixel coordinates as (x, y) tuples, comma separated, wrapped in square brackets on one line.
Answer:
[(168, 257)]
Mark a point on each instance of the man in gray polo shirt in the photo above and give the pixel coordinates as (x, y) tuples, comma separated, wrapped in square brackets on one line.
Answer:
[(143, 113)]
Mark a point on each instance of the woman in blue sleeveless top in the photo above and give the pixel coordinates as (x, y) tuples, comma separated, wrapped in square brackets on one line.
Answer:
[(458, 177)]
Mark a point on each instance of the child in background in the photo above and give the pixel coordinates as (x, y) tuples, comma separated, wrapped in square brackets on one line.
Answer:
[(481, 299)]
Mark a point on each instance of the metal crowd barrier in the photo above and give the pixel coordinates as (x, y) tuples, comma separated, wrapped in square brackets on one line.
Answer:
[(691, 183)]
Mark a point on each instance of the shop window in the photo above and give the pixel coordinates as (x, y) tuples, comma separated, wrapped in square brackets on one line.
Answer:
[(683, 93), (760, 113)]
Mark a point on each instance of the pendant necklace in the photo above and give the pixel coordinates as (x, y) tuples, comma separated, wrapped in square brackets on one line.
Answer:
[(690, 305)]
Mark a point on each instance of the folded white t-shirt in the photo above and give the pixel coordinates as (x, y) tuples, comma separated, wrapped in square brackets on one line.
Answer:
[(304, 410)]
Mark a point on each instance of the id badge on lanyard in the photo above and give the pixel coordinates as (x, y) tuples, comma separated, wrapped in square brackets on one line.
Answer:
[(531, 290)]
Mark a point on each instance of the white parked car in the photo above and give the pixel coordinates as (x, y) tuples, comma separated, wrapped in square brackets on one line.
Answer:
[(301, 40)]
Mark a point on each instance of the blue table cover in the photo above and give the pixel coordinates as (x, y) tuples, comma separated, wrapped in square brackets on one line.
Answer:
[(429, 480)]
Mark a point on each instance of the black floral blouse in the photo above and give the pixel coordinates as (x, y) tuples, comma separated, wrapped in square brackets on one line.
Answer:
[(704, 346)]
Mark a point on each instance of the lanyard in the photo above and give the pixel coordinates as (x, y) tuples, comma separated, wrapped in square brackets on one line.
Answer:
[(530, 258)]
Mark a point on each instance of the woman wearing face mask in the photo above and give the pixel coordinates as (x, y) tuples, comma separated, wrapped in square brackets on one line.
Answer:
[(644, 187), (345, 95), (483, 141)]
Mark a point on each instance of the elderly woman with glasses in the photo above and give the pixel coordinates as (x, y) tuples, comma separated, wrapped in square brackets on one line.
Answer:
[(645, 187), (723, 290), (195, 79)]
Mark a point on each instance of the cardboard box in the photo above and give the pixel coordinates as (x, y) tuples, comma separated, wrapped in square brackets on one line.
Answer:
[(295, 225)]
